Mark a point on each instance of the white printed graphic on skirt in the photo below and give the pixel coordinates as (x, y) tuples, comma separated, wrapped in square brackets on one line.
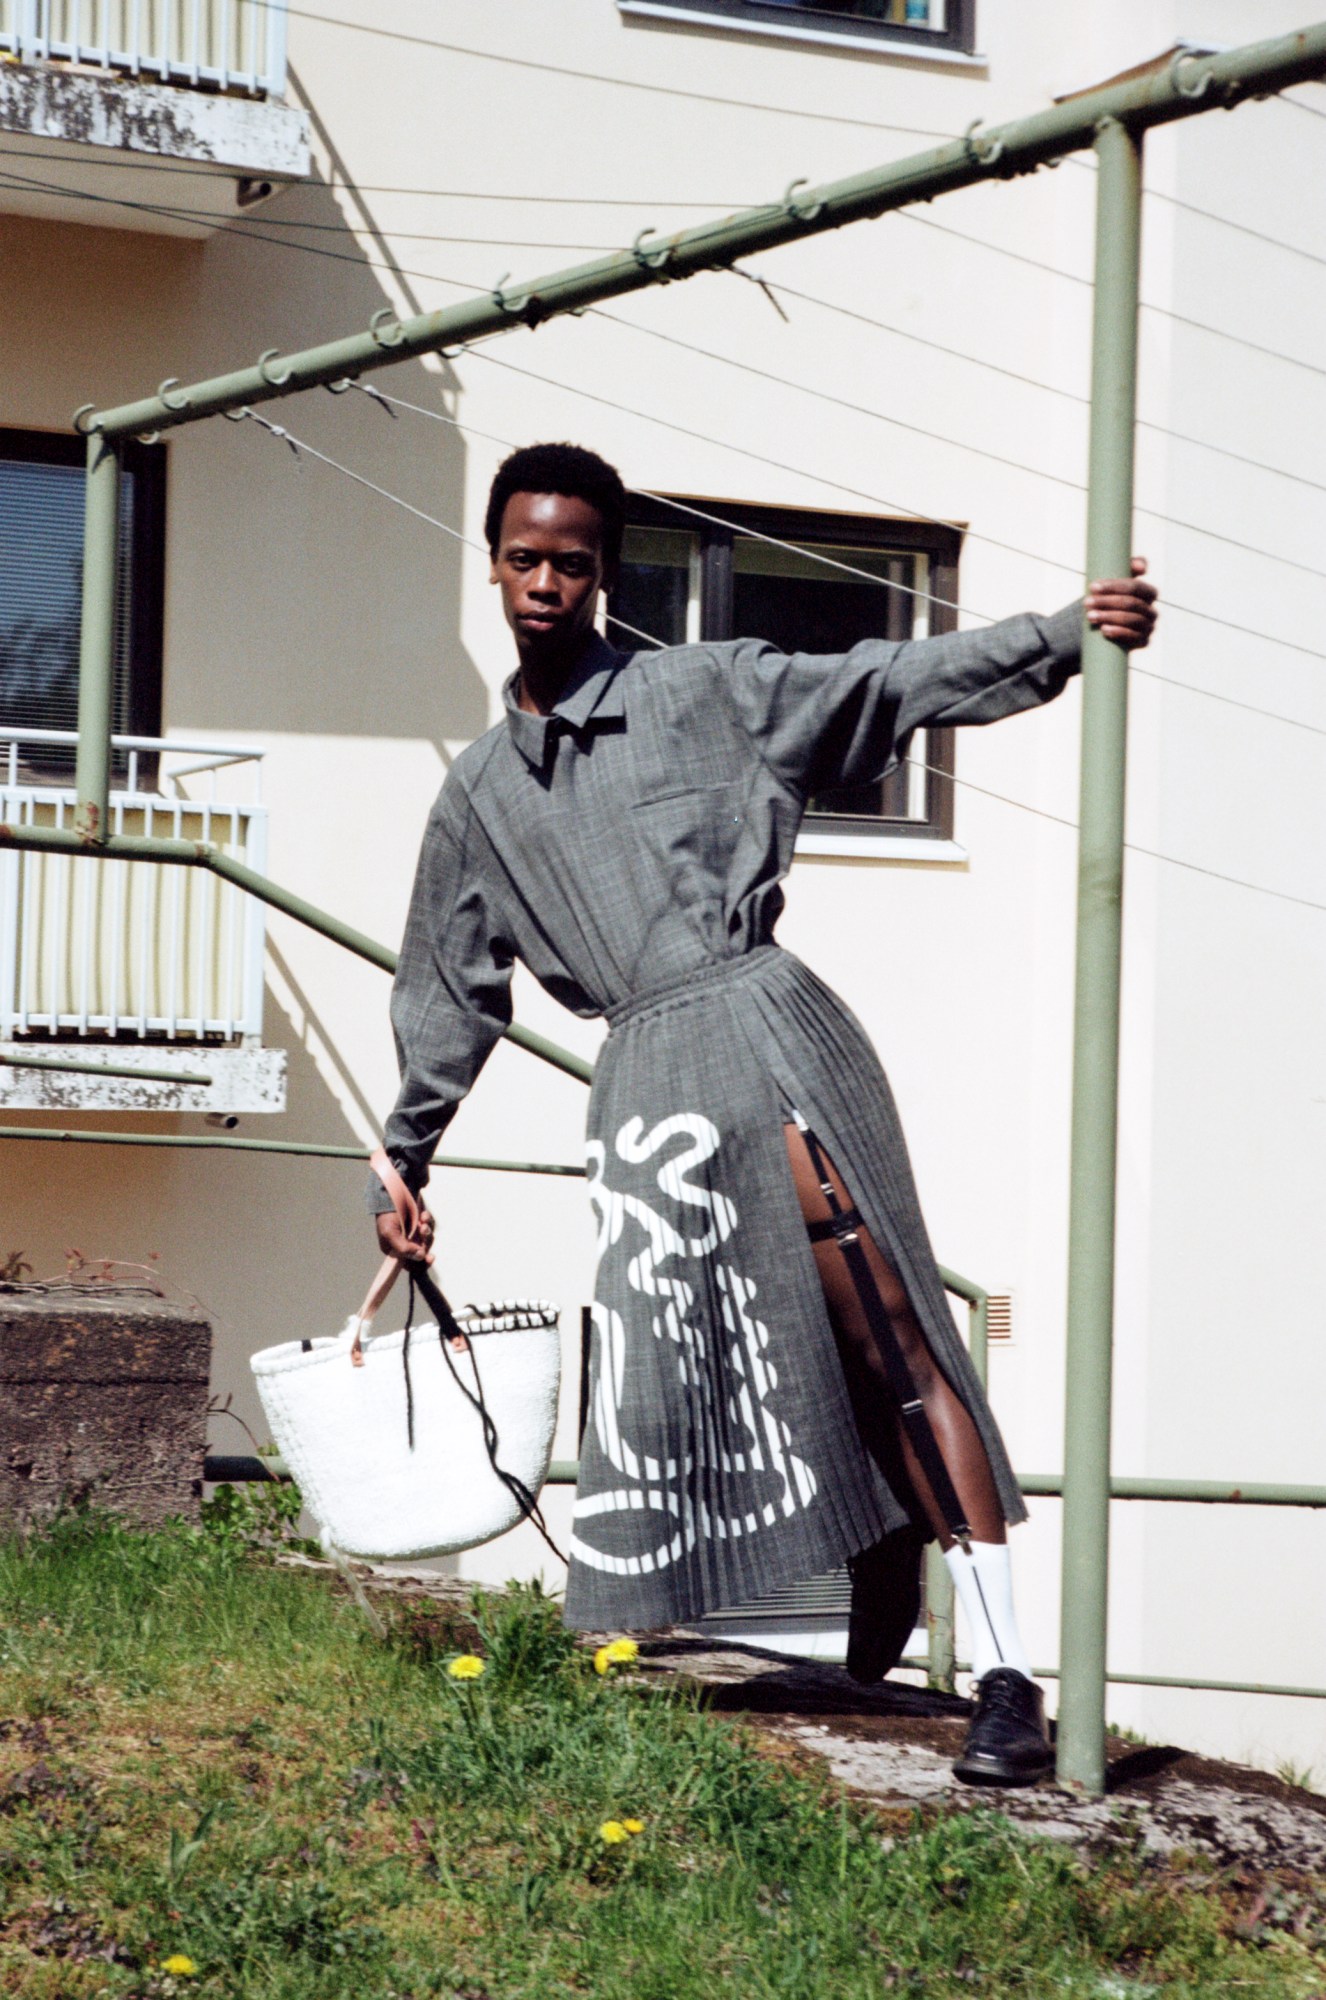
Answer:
[(667, 1488)]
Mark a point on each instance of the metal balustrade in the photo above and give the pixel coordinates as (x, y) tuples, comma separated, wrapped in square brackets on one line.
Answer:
[(227, 45), (130, 952)]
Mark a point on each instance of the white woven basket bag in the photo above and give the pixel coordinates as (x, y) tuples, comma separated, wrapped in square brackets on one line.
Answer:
[(414, 1444)]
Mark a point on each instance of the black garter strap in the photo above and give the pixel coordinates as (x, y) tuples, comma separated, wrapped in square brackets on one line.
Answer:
[(844, 1226)]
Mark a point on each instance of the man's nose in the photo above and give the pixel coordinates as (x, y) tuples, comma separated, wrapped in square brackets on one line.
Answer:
[(544, 581)]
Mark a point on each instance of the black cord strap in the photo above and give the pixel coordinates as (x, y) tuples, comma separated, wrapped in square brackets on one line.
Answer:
[(449, 1329), (845, 1225)]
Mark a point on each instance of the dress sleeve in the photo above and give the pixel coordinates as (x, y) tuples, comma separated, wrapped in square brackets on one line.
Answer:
[(845, 718), (451, 1000)]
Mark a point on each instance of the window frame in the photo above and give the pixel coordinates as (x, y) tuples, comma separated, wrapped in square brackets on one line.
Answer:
[(956, 42), (145, 465), (825, 527)]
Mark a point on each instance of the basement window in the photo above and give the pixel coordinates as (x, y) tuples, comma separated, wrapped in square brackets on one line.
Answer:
[(934, 28), (846, 577)]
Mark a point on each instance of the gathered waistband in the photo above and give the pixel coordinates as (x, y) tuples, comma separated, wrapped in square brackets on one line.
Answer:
[(715, 972)]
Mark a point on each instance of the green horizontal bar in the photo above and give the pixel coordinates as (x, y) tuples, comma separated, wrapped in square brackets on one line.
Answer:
[(562, 1472), (1211, 1492), (202, 854), (963, 1288), (205, 1142), (1191, 85), (1158, 1681), (103, 1069)]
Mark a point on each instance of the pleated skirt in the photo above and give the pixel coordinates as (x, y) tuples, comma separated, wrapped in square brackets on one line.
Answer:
[(721, 1459)]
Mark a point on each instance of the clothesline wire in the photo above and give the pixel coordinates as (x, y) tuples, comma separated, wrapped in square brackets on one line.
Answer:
[(1015, 375), (614, 82), (875, 499), (252, 231), (818, 555), (279, 431), (639, 204), (940, 437), (1076, 278)]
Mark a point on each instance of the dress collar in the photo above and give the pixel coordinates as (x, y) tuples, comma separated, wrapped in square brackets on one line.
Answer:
[(593, 694)]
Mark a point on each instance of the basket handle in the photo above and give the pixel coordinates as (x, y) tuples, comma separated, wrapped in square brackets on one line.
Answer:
[(407, 1211)]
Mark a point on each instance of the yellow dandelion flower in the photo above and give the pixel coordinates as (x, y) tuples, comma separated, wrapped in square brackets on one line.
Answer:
[(469, 1667), (179, 1966), (612, 1832), (634, 1825), (622, 1651), (602, 1664)]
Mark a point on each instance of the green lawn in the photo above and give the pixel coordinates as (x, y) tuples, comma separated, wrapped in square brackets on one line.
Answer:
[(206, 1757)]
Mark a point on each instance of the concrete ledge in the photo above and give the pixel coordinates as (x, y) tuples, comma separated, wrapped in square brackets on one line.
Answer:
[(103, 1399), (242, 1080), (250, 136)]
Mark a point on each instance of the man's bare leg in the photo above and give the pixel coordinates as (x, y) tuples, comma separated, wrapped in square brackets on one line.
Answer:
[(876, 1413)]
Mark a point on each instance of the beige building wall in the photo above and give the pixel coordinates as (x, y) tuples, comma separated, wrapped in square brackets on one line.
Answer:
[(361, 648)]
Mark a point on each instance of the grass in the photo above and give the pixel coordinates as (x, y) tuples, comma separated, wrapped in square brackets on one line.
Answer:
[(212, 1762)]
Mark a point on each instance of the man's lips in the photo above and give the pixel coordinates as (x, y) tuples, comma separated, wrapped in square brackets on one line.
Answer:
[(539, 621)]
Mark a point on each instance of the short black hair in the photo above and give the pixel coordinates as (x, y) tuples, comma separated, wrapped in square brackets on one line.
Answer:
[(561, 468)]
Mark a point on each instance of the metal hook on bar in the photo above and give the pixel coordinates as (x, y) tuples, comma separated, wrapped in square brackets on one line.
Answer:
[(984, 152), (658, 263), (379, 326), (794, 209), (180, 402), (515, 307), (367, 389), (1198, 87), (265, 360), (85, 410)]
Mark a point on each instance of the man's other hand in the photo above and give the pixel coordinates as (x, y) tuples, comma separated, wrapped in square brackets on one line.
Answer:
[(414, 1248), (1124, 608)]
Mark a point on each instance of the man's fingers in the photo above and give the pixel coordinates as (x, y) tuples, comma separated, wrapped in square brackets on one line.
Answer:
[(1123, 590)]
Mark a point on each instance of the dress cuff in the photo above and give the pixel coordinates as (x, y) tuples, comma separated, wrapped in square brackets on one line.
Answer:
[(1063, 633)]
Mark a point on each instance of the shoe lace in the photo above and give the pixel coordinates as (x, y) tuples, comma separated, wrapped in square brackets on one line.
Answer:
[(1001, 1694)]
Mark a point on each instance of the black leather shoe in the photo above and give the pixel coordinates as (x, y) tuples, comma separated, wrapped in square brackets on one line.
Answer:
[(1007, 1743), (886, 1603)]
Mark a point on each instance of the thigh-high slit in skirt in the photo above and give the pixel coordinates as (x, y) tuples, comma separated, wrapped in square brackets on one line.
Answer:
[(721, 1459)]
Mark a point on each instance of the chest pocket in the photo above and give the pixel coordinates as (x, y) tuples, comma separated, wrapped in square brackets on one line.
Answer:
[(692, 831)]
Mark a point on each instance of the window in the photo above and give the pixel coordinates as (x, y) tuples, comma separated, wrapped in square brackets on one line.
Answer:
[(922, 27), (41, 576), (691, 580)]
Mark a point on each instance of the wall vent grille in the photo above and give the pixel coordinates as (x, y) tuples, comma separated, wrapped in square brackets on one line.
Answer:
[(999, 1319)]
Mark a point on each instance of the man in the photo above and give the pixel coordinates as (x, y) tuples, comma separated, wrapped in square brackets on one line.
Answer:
[(776, 1384)]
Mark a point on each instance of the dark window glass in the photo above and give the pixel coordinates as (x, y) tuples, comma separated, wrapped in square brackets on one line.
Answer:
[(843, 581), (41, 578)]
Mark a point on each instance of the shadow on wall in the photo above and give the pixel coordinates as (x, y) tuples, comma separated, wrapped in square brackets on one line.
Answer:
[(298, 601)]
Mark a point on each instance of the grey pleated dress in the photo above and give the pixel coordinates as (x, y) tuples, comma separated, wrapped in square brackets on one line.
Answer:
[(628, 848)]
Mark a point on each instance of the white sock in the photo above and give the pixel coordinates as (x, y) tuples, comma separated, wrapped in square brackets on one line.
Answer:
[(984, 1582)]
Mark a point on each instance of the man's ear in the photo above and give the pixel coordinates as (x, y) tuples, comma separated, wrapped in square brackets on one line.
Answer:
[(609, 582), (492, 568)]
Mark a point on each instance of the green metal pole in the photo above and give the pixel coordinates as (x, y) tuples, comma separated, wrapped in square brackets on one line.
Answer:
[(1081, 1738), (96, 646), (204, 1142), (1188, 86)]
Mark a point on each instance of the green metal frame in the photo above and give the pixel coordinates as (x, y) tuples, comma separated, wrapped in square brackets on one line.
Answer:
[(1112, 120)]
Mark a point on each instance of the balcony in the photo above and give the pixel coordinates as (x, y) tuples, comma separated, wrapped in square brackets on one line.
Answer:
[(123, 83), (127, 964)]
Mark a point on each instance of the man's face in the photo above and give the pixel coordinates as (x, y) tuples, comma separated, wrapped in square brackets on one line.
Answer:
[(549, 564)]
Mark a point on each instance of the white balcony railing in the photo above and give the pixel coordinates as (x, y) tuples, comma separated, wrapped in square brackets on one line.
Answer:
[(234, 45), (125, 949)]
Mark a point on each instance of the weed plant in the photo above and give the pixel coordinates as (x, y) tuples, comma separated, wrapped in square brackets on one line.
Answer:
[(215, 1779)]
